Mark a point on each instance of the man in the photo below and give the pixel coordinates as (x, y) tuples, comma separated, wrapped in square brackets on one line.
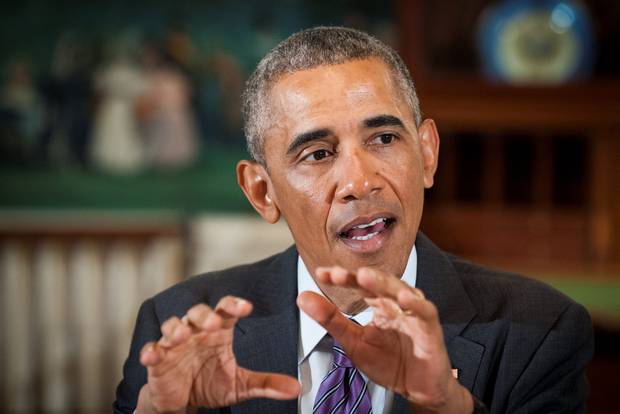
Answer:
[(388, 322)]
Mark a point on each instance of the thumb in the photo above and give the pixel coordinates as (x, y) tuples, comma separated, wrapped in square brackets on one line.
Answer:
[(329, 317), (267, 385)]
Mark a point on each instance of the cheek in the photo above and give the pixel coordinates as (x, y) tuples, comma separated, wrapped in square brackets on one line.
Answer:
[(307, 190), (405, 173), (405, 166), (305, 202)]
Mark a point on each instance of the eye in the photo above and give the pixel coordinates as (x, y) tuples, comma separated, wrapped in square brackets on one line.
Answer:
[(317, 155), (384, 139)]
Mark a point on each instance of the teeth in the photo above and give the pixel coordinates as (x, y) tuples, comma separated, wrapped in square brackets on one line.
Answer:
[(372, 223), (366, 237)]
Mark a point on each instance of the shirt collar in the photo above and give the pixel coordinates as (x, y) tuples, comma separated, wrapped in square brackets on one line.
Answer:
[(310, 331)]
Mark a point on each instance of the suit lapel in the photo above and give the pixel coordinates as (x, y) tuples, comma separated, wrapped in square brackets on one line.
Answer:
[(441, 284), (268, 339)]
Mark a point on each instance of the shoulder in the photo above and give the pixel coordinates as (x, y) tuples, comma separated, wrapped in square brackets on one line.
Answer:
[(494, 294), (525, 309), (210, 287), (497, 292), (537, 340), (524, 343)]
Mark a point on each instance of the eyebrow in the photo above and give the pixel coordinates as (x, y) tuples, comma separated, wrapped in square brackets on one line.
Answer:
[(374, 122), (306, 137), (383, 120)]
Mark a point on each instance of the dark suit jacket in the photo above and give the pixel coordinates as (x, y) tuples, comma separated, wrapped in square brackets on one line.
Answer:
[(519, 345)]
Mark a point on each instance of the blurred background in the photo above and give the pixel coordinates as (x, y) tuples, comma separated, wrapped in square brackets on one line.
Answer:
[(120, 127)]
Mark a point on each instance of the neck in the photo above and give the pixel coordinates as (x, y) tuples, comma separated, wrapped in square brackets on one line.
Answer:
[(347, 300)]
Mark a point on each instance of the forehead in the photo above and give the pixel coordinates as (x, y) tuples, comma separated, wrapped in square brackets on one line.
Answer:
[(336, 94)]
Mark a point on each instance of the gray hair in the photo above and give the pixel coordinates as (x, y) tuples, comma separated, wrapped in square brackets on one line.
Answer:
[(308, 49)]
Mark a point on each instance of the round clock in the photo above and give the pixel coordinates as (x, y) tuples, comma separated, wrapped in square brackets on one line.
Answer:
[(536, 41)]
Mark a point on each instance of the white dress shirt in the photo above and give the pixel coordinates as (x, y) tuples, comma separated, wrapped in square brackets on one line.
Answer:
[(315, 347)]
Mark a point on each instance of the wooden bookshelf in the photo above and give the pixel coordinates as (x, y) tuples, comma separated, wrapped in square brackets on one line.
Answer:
[(587, 232), (546, 119)]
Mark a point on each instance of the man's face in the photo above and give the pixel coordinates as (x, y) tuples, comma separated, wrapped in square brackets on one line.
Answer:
[(347, 165)]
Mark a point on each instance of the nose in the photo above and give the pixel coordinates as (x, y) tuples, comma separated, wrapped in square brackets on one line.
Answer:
[(357, 175)]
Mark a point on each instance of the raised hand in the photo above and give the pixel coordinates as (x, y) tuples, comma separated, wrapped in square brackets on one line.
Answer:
[(402, 349), (193, 365)]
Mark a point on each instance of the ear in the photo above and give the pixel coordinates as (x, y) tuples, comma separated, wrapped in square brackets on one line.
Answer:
[(256, 185), (429, 144)]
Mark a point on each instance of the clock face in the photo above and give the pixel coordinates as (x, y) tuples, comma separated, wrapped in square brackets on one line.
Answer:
[(529, 43), (531, 51)]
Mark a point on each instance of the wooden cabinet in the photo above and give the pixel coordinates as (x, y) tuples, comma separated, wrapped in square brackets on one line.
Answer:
[(526, 174), (563, 143)]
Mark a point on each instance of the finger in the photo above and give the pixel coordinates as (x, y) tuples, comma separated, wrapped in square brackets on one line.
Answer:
[(151, 354), (385, 308), (384, 285), (198, 314), (404, 298), (173, 332), (268, 385), (329, 317), (230, 309), (336, 275), (422, 308)]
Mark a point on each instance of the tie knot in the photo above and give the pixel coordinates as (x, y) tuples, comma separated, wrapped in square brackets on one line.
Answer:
[(340, 357)]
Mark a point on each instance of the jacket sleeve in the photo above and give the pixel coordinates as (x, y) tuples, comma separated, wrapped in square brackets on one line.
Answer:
[(554, 380), (134, 374)]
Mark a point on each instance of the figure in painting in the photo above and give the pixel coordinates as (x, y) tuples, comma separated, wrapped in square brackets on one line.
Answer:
[(117, 145), (165, 113)]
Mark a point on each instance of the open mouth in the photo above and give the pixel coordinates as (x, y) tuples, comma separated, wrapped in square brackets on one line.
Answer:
[(366, 230)]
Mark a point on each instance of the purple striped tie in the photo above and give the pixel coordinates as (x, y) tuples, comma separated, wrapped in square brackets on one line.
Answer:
[(343, 390)]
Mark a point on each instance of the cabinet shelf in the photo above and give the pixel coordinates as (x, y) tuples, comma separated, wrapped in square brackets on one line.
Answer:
[(475, 104)]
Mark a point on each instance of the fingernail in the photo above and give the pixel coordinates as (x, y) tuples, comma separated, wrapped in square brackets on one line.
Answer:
[(409, 295), (208, 319), (321, 271), (341, 272)]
